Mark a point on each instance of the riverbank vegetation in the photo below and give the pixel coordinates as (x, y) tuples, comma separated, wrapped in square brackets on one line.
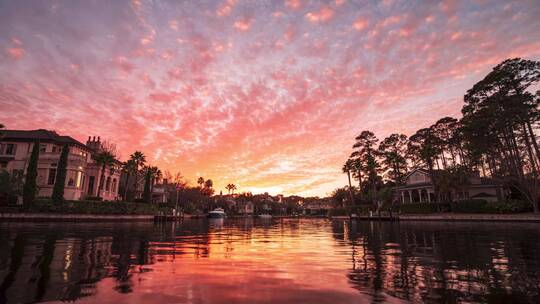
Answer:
[(496, 137), (93, 207)]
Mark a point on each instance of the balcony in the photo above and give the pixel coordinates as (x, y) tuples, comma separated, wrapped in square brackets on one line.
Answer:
[(73, 159)]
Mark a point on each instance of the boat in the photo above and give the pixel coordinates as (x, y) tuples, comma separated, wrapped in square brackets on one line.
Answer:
[(265, 216), (217, 213)]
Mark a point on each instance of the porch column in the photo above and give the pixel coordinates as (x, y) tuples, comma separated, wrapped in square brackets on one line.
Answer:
[(428, 196), (403, 197), (420, 195), (410, 196)]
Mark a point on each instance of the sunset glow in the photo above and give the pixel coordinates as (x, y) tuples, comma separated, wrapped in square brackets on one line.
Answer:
[(268, 95)]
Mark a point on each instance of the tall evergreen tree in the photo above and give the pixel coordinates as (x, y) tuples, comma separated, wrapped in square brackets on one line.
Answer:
[(366, 154), (30, 183), (147, 194), (60, 182), (128, 167), (393, 150)]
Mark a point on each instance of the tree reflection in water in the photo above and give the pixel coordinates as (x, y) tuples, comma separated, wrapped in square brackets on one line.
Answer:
[(252, 261), (438, 262)]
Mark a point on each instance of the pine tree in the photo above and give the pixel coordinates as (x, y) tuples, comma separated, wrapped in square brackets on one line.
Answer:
[(60, 182), (30, 184)]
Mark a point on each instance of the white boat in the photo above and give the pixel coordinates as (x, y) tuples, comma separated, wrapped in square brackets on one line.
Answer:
[(217, 213), (265, 216)]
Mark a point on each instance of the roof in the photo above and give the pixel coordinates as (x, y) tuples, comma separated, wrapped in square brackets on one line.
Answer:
[(41, 135)]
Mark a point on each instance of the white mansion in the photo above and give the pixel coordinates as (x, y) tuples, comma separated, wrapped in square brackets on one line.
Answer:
[(83, 177)]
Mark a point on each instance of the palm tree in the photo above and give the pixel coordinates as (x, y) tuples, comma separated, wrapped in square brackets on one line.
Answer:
[(128, 168), (156, 175), (347, 168), (139, 158), (208, 183), (105, 159), (229, 188), (200, 181)]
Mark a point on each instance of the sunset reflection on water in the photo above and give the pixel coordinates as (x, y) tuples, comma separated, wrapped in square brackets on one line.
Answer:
[(278, 261)]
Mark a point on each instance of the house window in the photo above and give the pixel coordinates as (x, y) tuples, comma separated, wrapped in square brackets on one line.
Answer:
[(79, 176), (3, 165), (10, 149), (52, 176), (42, 148), (71, 182)]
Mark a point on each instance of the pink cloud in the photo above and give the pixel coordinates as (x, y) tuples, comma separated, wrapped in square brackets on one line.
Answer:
[(274, 109), (360, 24), (325, 14), (293, 4), (16, 52), (226, 7), (243, 25), (123, 64)]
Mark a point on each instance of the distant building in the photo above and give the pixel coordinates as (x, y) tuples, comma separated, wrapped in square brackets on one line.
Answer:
[(245, 208), (83, 172), (418, 187), (317, 207)]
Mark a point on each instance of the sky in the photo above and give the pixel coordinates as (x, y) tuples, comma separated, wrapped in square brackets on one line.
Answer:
[(267, 95)]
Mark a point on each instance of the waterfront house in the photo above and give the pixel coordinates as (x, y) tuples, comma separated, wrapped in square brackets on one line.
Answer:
[(317, 206), (245, 208), (83, 177), (418, 187)]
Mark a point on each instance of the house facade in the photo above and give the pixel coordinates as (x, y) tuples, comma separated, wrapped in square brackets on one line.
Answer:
[(418, 188), (83, 178), (245, 208)]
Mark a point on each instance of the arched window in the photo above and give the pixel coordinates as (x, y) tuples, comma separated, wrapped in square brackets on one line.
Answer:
[(114, 185), (108, 184)]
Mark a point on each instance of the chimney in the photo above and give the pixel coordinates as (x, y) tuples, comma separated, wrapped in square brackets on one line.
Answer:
[(92, 143)]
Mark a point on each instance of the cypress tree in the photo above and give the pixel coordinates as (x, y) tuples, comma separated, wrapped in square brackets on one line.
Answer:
[(60, 182), (30, 184), (147, 196)]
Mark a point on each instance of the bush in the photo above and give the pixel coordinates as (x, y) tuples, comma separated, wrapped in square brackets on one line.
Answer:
[(359, 209), (94, 198), (472, 206), (510, 206), (424, 208), (94, 207)]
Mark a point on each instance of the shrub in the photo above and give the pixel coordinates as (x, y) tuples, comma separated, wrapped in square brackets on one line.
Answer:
[(472, 206), (94, 207), (359, 209), (94, 198), (424, 208), (510, 206)]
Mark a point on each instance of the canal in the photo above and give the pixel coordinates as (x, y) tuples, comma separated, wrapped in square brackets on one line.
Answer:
[(276, 261)]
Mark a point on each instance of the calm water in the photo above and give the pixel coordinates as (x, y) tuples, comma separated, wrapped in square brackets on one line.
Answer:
[(279, 261)]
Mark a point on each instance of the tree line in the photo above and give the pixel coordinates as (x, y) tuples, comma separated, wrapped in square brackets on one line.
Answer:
[(495, 136)]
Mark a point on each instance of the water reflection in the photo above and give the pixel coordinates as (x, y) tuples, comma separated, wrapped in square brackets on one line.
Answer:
[(252, 261)]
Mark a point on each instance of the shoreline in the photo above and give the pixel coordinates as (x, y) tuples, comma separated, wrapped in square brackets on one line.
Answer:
[(453, 217), (450, 217), (59, 217)]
